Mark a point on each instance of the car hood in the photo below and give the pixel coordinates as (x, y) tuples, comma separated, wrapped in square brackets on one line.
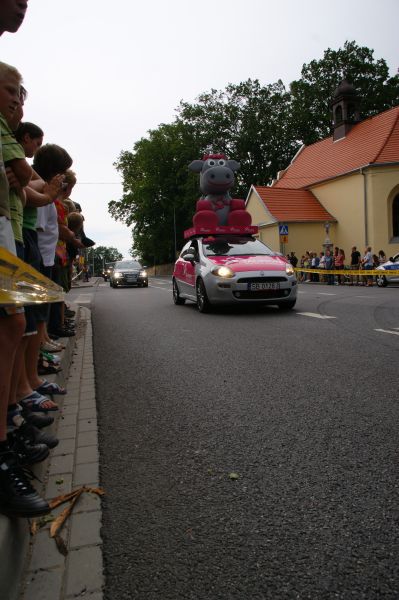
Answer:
[(389, 266), (250, 263)]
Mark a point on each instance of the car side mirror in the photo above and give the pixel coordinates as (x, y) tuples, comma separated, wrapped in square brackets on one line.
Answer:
[(189, 258), (391, 259)]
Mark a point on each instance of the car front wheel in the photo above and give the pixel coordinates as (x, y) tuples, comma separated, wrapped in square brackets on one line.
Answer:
[(176, 294), (381, 281), (203, 303)]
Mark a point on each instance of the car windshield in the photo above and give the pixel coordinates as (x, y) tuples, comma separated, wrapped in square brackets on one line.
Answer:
[(128, 264), (235, 246)]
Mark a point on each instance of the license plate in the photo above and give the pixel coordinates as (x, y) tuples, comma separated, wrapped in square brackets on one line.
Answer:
[(258, 287)]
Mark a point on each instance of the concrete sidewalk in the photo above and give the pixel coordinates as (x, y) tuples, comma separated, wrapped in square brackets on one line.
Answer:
[(32, 567)]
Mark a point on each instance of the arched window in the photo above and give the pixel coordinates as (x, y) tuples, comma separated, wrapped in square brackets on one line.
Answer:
[(338, 115), (395, 216)]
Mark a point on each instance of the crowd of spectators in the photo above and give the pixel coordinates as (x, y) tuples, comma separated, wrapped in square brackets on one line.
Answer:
[(336, 260), (40, 225)]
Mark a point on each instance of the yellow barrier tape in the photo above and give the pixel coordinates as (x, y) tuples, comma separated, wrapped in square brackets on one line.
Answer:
[(22, 284), (389, 272)]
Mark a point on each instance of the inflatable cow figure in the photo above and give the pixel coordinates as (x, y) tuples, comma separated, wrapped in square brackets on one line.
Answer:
[(217, 207)]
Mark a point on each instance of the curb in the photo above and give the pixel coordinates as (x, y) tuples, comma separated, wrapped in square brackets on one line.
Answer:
[(32, 568)]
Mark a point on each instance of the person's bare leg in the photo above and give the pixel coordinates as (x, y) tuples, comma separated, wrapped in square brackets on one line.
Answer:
[(31, 360), (19, 382), (11, 331)]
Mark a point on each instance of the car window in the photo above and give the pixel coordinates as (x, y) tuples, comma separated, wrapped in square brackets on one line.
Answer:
[(128, 264), (235, 246)]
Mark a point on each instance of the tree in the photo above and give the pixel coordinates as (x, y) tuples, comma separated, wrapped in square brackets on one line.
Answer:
[(100, 256), (261, 126), (157, 190), (310, 113)]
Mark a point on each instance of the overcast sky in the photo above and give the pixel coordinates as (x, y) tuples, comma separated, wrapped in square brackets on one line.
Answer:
[(100, 74)]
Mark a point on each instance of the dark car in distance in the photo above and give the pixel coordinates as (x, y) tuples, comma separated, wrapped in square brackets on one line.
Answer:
[(108, 270), (128, 272)]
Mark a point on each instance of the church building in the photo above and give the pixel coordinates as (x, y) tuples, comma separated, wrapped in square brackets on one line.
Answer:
[(342, 190)]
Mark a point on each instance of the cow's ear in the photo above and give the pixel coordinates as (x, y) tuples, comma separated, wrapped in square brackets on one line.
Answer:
[(196, 166), (233, 165)]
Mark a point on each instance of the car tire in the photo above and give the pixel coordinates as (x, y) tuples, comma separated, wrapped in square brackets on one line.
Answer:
[(177, 299), (203, 303), (287, 305), (381, 281)]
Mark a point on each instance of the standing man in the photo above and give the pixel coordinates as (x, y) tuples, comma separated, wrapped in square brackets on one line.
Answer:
[(355, 261)]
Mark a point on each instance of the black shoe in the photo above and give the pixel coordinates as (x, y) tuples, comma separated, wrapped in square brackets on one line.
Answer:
[(17, 496), (62, 332), (28, 452), (37, 420), (38, 437)]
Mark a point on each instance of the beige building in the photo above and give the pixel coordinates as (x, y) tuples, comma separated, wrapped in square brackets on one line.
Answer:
[(345, 187)]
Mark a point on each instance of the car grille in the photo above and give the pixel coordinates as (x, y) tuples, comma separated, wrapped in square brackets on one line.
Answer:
[(261, 295), (261, 279)]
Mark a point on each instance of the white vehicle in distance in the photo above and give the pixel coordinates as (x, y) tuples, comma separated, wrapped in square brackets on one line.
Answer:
[(391, 265)]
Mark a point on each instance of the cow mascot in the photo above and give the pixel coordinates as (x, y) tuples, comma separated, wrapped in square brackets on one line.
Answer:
[(216, 206)]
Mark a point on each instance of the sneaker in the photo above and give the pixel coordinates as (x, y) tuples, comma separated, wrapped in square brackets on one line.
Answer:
[(17, 496), (38, 437), (24, 446), (37, 420)]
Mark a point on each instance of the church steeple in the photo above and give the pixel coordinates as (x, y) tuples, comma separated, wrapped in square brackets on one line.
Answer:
[(345, 107)]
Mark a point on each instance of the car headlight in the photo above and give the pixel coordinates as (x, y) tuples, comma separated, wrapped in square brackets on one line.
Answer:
[(143, 273), (289, 269), (117, 275), (224, 272)]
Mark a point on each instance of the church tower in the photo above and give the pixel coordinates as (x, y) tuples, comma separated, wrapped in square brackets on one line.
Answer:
[(345, 107)]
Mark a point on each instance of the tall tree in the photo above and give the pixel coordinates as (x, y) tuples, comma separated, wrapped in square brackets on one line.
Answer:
[(157, 190), (99, 256), (310, 113), (261, 126)]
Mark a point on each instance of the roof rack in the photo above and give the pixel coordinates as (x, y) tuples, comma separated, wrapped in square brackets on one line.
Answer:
[(221, 230)]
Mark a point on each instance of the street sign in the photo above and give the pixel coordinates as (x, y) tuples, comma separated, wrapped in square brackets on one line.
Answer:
[(283, 229), (284, 239)]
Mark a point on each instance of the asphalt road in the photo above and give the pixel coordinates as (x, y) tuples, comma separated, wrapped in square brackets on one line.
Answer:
[(249, 454)]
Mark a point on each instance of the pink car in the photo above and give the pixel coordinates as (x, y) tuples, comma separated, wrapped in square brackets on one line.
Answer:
[(232, 269)]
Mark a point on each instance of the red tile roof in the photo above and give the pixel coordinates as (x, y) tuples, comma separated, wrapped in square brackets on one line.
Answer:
[(292, 205), (374, 140)]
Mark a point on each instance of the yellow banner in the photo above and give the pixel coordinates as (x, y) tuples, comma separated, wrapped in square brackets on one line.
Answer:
[(21, 284), (388, 272)]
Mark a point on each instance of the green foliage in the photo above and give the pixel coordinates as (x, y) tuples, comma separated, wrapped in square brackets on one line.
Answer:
[(157, 191), (261, 126), (102, 255), (310, 114)]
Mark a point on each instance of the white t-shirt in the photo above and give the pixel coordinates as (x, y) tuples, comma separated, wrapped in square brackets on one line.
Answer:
[(47, 232)]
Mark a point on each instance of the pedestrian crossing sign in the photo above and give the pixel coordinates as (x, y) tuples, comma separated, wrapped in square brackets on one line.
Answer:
[(283, 229)]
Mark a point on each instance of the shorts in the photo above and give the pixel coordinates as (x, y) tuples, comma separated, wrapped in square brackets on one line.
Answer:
[(32, 254), (7, 241), (61, 276), (6, 235)]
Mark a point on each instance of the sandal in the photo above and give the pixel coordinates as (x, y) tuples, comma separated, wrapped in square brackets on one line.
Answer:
[(50, 388), (45, 368), (35, 402), (53, 359)]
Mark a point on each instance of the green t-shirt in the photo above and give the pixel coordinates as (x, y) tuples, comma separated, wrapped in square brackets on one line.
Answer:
[(4, 202), (11, 151)]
